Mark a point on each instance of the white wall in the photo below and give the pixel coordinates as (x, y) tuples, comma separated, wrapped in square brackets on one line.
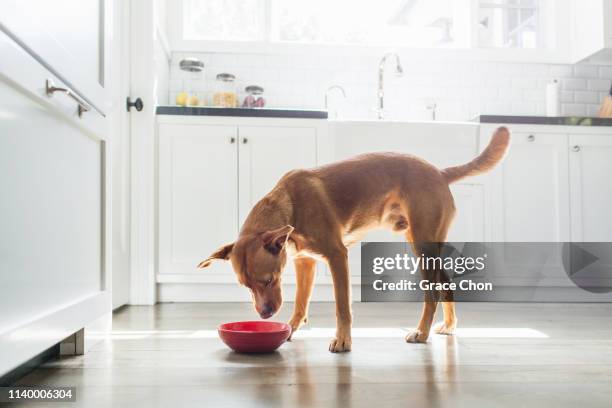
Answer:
[(461, 89)]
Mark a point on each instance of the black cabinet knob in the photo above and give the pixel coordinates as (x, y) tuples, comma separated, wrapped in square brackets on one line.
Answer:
[(136, 104)]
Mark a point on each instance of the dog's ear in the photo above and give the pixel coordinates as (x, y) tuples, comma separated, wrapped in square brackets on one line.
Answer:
[(222, 253), (275, 240)]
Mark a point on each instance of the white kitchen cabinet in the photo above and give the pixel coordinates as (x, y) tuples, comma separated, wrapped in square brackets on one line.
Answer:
[(212, 170), (590, 189), (529, 191), (550, 188), (266, 154), (72, 37), (54, 211), (198, 195)]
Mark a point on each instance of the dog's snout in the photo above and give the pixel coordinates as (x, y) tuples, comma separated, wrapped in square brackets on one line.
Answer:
[(266, 311)]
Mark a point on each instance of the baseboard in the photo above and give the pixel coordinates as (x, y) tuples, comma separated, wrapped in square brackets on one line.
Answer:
[(207, 292)]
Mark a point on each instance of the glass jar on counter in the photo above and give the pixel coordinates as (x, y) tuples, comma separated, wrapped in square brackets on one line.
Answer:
[(254, 98), (225, 95), (193, 68)]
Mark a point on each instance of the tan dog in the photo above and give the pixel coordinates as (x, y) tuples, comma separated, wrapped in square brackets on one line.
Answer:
[(316, 214)]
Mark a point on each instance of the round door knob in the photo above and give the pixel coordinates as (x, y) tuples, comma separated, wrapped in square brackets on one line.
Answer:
[(136, 104), (531, 138), (576, 148), (232, 140), (245, 140)]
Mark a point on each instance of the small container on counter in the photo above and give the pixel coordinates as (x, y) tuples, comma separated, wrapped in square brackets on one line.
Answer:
[(190, 97), (254, 98), (225, 91)]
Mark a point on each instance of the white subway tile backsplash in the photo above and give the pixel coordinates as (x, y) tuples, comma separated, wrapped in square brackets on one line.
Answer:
[(573, 109), (586, 71), (592, 110), (566, 96), (461, 89), (560, 71), (599, 84), (574, 84), (586, 97), (605, 73)]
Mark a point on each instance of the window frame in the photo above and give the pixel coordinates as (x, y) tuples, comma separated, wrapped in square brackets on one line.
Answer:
[(558, 52)]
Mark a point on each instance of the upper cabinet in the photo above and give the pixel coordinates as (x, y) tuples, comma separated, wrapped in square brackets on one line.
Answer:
[(591, 30), (69, 37)]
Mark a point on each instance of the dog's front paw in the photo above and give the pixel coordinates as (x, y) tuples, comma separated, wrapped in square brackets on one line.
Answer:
[(445, 328), (296, 322), (416, 336), (342, 342)]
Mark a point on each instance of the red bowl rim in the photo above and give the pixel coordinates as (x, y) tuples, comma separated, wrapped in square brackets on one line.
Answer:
[(283, 327)]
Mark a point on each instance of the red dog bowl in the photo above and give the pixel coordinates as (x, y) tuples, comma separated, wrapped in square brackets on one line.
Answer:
[(254, 337)]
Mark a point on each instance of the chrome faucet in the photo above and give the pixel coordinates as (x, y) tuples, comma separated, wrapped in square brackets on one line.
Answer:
[(328, 91), (381, 74)]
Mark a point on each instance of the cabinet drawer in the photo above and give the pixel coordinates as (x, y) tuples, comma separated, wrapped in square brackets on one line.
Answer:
[(69, 36)]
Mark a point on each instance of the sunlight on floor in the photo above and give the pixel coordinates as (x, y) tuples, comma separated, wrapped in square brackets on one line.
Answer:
[(327, 332)]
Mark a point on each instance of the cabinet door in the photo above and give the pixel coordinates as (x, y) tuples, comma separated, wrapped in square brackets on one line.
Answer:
[(469, 222), (54, 212), (266, 154), (70, 36), (591, 189), (198, 195), (529, 190)]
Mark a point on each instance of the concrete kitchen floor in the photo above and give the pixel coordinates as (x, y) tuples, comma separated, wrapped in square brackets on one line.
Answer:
[(504, 355)]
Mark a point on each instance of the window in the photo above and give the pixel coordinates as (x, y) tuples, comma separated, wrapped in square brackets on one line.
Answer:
[(384, 22), (227, 20), (399, 23), (510, 23)]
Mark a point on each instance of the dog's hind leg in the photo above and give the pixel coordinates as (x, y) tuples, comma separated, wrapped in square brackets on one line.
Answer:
[(305, 269), (449, 324), (430, 303), (427, 234)]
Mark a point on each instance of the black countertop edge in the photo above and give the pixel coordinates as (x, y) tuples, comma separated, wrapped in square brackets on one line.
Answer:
[(244, 112), (544, 120)]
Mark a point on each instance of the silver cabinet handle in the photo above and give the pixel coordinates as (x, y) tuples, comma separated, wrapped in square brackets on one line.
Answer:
[(531, 138), (245, 140), (232, 140), (51, 89), (576, 148)]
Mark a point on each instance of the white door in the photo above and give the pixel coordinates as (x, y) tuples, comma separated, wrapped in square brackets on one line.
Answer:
[(266, 154), (70, 37), (529, 199), (198, 196), (121, 157), (590, 159)]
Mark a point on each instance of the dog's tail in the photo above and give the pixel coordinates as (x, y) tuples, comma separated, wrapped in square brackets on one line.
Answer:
[(492, 155)]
